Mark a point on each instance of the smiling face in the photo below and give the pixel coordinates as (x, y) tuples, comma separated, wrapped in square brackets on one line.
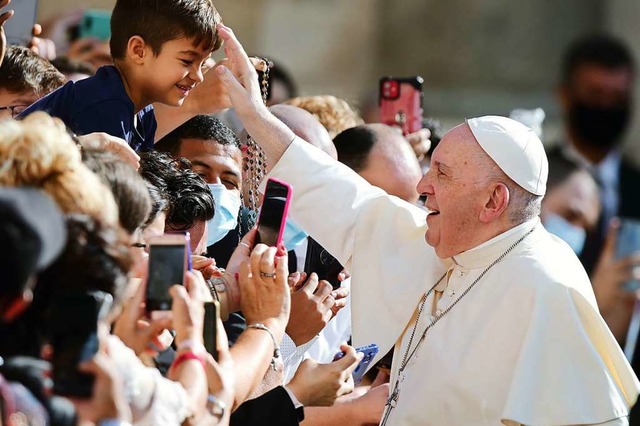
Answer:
[(457, 194), (169, 77)]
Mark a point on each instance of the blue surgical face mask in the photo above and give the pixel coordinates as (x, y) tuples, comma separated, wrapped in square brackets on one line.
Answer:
[(293, 235), (571, 234), (227, 206)]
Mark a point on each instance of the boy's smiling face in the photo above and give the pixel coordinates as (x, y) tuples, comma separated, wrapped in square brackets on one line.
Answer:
[(175, 71)]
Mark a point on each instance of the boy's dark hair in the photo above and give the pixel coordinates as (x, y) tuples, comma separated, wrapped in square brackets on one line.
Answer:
[(23, 70), (129, 189), (189, 197), (598, 49), (354, 146), (159, 21), (201, 127)]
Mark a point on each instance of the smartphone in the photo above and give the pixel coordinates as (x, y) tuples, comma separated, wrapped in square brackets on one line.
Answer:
[(95, 24), (628, 242), (169, 260), (370, 353), (401, 103), (321, 262), (74, 337), (19, 29), (211, 315), (273, 213)]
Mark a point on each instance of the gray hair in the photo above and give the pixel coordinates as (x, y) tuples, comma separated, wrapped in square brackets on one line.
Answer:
[(523, 205)]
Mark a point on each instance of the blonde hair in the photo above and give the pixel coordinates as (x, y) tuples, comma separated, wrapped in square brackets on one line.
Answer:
[(39, 152), (335, 114)]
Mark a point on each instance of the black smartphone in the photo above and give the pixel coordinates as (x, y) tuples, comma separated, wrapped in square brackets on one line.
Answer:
[(321, 262), (74, 337), (19, 29), (211, 314), (169, 259), (273, 213)]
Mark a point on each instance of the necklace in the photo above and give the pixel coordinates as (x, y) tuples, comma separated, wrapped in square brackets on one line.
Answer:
[(392, 402), (255, 162)]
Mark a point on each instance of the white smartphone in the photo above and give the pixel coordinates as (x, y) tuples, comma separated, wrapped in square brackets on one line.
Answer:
[(19, 29)]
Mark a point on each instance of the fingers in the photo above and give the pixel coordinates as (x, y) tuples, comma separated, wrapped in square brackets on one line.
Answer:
[(180, 296), (420, 142), (201, 262), (5, 16), (234, 50), (122, 148), (249, 240), (340, 293), (343, 275), (612, 236), (196, 286), (323, 291), (311, 285), (282, 265), (256, 260), (37, 30), (350, 360)]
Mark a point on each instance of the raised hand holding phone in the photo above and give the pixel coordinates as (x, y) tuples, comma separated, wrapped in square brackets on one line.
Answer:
[(169, 261), (273, 213), (401, 103)]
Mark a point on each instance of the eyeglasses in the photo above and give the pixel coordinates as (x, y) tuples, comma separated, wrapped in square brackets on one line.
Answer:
[(142, 246), (15, 109)]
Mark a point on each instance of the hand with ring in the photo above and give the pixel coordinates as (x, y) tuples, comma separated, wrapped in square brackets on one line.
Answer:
[(265, 296)]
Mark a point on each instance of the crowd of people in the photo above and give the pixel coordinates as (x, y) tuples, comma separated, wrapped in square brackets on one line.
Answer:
[(519, 308)]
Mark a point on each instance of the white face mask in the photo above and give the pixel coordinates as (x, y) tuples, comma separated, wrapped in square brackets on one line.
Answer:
[(571, 234), (227, 206)]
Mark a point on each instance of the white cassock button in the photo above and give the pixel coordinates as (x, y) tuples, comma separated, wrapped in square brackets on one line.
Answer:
[(450, 292), (460, 273), (438, 312)]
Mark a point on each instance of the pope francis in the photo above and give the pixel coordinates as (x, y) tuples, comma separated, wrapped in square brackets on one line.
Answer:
[(493, 319)]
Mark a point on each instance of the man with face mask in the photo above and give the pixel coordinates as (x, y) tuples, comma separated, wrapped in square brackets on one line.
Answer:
[(214, 152), (596, 99)]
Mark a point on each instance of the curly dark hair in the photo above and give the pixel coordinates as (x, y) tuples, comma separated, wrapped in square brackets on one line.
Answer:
[(188, 195)]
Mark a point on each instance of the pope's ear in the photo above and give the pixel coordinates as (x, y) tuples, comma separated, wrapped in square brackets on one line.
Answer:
[(497, 203)]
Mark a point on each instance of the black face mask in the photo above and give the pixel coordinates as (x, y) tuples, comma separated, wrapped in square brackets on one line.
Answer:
[(597, 126)]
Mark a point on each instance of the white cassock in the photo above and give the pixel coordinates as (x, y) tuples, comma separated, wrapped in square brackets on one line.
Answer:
[(525, 346)]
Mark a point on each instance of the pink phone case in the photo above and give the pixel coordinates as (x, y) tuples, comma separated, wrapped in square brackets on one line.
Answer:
[(285, 212), (401, 103)]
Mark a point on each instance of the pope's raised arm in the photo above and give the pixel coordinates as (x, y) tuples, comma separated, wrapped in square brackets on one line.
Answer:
[(369, 232)]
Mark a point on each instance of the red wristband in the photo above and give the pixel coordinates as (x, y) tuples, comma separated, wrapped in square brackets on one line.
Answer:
[(186, 356)]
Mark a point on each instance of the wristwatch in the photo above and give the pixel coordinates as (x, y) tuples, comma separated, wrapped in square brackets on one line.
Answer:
[(217, 285), (216, 406)]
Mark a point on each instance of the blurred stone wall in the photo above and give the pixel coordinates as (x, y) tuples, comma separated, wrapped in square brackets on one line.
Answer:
[(476, 56)]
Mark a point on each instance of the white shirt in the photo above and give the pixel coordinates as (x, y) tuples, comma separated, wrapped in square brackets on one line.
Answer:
[(526, 345)]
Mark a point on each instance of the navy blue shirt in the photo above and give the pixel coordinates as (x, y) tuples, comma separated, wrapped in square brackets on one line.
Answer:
[(100, 104)]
